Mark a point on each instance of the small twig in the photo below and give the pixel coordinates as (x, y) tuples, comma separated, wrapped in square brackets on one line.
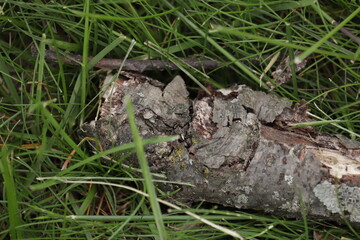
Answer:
[(130, 65), (347, 33)]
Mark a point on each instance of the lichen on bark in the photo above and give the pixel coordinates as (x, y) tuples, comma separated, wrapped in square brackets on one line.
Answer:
[(235, 149)]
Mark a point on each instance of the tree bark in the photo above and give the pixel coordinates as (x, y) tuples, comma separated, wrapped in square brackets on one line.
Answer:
[(236, 149)]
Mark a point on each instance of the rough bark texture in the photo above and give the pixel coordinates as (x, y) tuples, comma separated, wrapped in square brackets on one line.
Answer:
[(236, 149)]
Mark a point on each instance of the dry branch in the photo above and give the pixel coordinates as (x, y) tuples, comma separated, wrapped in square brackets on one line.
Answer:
[(347, 32), (236, 149), (130, 65)]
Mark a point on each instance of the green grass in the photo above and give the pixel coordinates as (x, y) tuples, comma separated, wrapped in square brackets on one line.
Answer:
[(43, 104)]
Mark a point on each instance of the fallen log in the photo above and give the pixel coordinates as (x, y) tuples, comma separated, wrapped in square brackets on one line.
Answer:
[(235, 148)]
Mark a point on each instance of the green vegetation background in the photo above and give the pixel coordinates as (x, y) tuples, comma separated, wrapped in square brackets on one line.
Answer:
[(43, 103)]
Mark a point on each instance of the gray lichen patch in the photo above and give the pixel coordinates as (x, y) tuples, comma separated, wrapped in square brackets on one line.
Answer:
[(341, 199), (290, 206)]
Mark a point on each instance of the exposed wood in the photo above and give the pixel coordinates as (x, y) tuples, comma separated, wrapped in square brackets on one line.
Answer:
[(236, 149)]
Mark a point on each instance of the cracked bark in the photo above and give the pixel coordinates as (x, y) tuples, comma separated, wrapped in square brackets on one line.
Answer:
[(235, 149)]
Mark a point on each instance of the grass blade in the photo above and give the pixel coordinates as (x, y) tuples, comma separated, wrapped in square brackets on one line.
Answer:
[(312, 49), (283, 43), (105, 51), (10, 189), (122, 148), (217, 46), (84, 66), (9, 81), (139, 146)]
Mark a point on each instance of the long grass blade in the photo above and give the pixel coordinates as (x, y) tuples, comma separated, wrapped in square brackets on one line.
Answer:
[(312, 49), (139, 147), (11, 195)]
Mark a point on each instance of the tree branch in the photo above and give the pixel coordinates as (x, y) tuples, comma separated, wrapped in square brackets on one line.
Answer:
[(130, 65)]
